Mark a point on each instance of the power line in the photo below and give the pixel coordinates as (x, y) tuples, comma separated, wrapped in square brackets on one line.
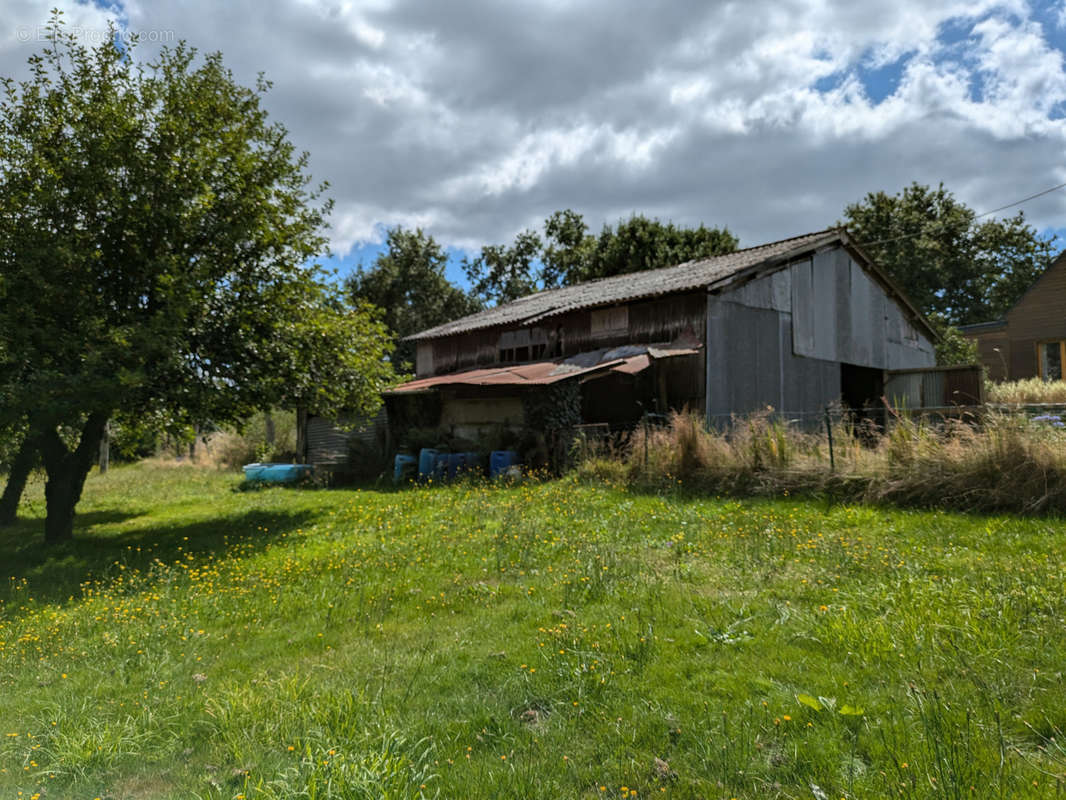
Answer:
[(1023, 200), (978, 216)]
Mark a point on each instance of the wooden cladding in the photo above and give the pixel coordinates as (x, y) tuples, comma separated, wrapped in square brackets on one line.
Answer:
[(655, 321)]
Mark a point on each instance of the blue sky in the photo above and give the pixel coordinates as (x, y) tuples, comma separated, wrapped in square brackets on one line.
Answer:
[(475, 119)]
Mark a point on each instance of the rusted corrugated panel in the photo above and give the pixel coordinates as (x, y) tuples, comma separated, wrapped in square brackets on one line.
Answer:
[(629, 360)]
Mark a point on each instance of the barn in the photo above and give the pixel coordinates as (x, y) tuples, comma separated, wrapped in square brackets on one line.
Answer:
[(791, 325)]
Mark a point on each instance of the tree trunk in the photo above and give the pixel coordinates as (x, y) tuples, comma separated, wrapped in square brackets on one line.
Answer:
[(105, 450), (268, 423), (66, 473), (16, 480)]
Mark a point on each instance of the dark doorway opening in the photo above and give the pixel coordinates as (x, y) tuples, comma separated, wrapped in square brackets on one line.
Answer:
[(861, 390)]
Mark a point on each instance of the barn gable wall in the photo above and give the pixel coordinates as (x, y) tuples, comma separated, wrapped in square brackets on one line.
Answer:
[(779, 341)]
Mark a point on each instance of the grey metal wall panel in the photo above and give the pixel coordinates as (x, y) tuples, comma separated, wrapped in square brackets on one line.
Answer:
[(904, 390), (750, 365), (866, 326), (781, 291), (770, 292), (826, 272), (717, 379), (803, 308), (848, 327), (330, 444), (879, 344)]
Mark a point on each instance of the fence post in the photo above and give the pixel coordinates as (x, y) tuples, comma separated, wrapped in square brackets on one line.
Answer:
[(829, 434), (645, 440)]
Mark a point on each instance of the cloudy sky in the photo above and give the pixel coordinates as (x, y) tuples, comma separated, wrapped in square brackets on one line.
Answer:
[(475, 119)]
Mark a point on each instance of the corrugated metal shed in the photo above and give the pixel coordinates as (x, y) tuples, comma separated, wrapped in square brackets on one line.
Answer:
[(621, 288), (934, 387), (329, 442)]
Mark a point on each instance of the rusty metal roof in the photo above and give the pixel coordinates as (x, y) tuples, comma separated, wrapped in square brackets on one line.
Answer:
[(628, 359), (691, 275)]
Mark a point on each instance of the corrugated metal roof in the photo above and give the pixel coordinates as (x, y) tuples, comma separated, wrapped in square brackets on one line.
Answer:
[(628, 359), (621, 288)]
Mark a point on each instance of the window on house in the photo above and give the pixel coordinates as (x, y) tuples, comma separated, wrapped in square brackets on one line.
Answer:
[(1050, 358)]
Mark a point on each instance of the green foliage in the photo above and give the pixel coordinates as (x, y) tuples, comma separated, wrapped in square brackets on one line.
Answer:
[(540, 641), (948, 261), (952, 348), (501, 273), (155, 234), (408, 283), (569, 254)]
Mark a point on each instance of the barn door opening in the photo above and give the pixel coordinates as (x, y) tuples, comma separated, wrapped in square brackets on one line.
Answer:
[(861, 390)]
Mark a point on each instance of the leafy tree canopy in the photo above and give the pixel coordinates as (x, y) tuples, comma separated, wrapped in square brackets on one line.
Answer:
[(568, 253), (407, 281), (950, 262), (155, 232)]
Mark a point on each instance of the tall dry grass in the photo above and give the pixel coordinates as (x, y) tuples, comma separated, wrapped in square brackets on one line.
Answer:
[(1031, 391), (999, 462)]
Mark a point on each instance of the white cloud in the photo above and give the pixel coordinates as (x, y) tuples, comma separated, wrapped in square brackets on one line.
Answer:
[(474, 119)]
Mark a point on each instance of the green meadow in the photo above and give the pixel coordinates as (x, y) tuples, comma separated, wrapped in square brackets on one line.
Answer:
[(547, 640)]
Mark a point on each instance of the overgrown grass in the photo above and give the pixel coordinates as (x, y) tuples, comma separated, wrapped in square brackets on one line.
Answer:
[(1031, 391), (546, 640), (996, 463)]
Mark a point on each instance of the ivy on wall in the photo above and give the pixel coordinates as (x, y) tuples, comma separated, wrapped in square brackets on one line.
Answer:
[(553, 408)]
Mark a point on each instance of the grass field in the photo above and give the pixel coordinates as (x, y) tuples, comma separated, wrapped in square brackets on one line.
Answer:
[(541, 641)]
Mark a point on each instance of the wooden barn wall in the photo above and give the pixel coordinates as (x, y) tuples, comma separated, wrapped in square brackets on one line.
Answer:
[(840, 313), (647, 322)]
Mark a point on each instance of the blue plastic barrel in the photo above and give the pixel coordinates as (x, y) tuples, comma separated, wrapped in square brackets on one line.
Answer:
[(404, 467), (440, 466), (500, 461), (456, 464), (426, 458), (472, 463)]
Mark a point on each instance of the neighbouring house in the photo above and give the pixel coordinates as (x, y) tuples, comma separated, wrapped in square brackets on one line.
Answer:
[(793, 325), (1030, 340)]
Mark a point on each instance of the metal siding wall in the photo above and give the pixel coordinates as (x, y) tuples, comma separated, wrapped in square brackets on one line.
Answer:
[(865, 327), (718, 389), (329, 445), (826, 279), (803, 308), (750, 364)]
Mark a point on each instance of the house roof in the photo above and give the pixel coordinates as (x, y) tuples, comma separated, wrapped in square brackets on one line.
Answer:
[(981, 327), (698, 274)]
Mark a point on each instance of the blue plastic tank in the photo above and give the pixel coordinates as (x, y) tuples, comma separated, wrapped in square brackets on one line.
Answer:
[(456, 464), (440, 466), (426, 458), (500, 461), (472, 463), (404, 467), (276, 473)]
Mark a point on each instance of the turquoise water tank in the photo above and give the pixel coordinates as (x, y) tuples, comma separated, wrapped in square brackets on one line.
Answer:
[(276, 473)]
